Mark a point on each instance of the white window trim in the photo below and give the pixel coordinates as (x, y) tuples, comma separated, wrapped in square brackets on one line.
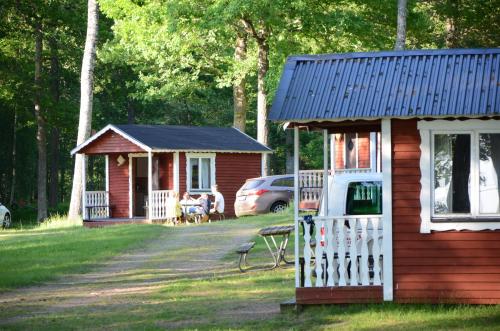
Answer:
[(188, 171), (427, 130)]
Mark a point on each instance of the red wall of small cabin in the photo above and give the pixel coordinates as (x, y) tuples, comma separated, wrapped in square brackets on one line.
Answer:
[(231, 172), (452, 266), (165, 161), (363, 153), (111, 142), (118, 186)]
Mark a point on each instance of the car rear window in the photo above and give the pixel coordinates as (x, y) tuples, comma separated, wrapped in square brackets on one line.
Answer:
[(364, 198), (251, 184), (288, 182)]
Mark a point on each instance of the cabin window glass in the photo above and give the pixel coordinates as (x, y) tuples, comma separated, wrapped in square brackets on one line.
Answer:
[(364, 198), (452, 157), (465, 174), (489, 173), (200, 173)]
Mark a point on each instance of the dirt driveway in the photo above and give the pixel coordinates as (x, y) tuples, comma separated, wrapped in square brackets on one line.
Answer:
[(184, 252)]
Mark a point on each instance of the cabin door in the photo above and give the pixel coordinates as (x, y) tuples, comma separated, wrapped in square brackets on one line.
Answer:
[(140, 184)]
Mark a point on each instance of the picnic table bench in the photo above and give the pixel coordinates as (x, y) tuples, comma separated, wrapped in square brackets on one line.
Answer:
[(243, 251)]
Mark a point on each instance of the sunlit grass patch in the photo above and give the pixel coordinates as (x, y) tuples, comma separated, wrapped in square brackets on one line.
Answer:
[(46, 252)]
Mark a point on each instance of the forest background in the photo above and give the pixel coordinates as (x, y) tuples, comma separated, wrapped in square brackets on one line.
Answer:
[(184, 62)]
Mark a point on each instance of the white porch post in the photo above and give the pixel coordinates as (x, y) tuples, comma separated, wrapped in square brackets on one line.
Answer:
[(332, 153), (130, 188), (106, 165), (296, 199), (176, 172), (84, 186), (150, 185), (373, 151), (386, 145), (325, 172)]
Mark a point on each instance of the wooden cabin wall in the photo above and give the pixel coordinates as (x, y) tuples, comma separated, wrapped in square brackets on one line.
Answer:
[(451, 266), (363, 153), (111, 142), (119, 186)]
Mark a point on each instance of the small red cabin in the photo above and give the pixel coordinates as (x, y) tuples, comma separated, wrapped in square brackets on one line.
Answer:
[(146, 163), (433, 118)]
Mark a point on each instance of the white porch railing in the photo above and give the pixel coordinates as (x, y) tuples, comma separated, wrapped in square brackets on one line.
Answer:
[(96, 205), (311, 185), (163, 205), (353, 171), (339, 262)]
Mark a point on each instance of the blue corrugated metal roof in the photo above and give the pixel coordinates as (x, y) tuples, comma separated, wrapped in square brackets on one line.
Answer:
[(423, 83)]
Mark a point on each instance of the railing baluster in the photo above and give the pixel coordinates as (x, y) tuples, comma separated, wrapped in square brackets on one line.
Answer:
[(365, 279), (342, 251), (353, 254), (330, 251), (319, 253), (377, 280), (307, 255)]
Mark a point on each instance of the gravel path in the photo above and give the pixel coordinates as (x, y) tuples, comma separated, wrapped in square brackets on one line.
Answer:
[(184, 252)]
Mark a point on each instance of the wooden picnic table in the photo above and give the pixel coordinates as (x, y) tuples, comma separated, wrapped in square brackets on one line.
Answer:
[(278, 253)]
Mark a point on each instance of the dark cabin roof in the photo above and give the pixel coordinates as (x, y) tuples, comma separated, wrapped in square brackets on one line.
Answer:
[(183, 138), (421, 83)]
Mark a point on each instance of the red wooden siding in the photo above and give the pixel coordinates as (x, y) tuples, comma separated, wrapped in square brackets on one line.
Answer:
[(347, 294), (165, 174), (231, 171), (118, 187), (452, 266), (110, 142), (363, 153)]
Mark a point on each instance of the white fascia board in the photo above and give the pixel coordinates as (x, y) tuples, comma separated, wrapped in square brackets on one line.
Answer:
[(209, 151), (104, 130)]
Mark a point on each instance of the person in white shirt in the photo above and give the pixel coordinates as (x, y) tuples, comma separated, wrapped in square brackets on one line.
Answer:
[(219, 200)]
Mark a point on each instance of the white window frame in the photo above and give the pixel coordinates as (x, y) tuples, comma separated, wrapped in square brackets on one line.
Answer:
[(210, 156), (428, 129)]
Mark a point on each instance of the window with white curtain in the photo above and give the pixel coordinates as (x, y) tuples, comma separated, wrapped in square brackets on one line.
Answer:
[(200, 171)]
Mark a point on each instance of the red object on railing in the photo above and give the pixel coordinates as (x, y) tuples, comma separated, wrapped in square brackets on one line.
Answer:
[(322, 232)]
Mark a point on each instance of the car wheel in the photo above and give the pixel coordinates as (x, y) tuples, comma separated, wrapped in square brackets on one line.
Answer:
[(278, 207), (6, 221)]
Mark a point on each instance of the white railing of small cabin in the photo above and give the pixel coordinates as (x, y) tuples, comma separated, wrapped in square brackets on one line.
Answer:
[(163, 205), (332, 250), (96, 205), (311, 182)]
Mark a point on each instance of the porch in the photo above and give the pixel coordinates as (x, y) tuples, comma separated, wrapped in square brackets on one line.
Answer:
[(343, 256)]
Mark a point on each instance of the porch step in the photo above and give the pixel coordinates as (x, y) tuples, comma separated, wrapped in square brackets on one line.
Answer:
[(290, 306)]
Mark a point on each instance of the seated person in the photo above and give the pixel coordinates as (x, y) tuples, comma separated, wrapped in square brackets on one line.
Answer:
[(204, 208), (189, 204), (219, 200)]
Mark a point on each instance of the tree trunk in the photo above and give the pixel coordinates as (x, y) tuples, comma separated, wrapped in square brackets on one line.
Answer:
[(451, 40), (14, 143), (239, 92), (54, 134), (262, 111), (41, 135), (401, 31), (85, 121), (288, 151), (130, 112)]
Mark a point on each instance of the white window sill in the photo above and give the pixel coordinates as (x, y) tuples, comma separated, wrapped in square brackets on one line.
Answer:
[(449, 224)]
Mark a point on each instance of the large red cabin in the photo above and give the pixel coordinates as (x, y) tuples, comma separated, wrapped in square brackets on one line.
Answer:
[(436, 114), (146, 164)]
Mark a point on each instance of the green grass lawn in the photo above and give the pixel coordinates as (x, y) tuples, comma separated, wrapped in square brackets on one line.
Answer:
[(33, 256), (222, 301)]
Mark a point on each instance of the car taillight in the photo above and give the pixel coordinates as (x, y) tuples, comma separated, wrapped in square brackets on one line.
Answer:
[(257, 192)]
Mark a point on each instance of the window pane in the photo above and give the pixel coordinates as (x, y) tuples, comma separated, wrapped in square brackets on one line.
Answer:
[(489, 170), (193, 163), (251, 184), (205, 173), (350, 150), (364, 198), (451, 173), (287, 182)]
